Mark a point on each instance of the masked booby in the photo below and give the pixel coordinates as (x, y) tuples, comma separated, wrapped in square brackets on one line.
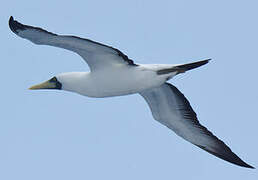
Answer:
[(112, 73)]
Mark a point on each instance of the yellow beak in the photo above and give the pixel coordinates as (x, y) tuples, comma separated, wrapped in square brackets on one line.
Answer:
[(45, 85)]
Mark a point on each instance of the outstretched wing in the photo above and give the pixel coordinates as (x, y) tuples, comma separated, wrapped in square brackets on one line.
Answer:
[(170, 107), (97, 55)]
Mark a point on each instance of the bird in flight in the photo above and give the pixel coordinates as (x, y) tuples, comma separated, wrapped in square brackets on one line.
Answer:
[(112, 73)]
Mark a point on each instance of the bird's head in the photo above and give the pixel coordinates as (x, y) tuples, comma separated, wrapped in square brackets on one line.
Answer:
[(69, 81)]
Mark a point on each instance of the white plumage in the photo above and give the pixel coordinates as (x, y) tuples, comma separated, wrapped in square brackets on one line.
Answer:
[(114, 74)]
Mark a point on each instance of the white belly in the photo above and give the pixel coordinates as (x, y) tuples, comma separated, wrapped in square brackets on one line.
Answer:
[(123, 82)]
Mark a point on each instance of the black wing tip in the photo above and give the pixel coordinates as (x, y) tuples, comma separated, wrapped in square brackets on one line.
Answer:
[(248, 166), (15, 25), (243, 164), (227, 155)]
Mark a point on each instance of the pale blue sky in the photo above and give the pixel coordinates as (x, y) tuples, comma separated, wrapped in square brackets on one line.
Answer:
[(61, 135)]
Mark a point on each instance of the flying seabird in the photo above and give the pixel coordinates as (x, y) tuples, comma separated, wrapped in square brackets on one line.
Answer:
[(112, 73)]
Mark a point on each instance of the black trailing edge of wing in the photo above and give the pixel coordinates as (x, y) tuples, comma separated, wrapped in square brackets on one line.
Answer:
[(125, 57), (221, 150)]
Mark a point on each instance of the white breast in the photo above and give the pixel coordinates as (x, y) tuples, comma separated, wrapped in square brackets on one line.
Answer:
[(119, 81)]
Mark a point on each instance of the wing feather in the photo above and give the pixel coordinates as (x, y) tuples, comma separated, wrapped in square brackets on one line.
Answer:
[(170, 107), (97, 55)]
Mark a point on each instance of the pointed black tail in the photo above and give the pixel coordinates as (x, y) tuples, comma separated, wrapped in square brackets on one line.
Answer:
[(183, 67)]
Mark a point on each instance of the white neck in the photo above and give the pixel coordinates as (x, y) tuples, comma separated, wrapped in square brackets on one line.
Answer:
[(74, 81)]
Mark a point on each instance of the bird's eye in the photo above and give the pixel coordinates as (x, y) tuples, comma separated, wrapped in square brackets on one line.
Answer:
[(54, 79)]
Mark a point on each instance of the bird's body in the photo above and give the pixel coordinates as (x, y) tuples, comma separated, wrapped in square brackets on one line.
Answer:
[(114, 81), (112, 73)]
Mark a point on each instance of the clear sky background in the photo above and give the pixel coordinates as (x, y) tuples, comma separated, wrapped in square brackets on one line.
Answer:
[(60, 135)]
